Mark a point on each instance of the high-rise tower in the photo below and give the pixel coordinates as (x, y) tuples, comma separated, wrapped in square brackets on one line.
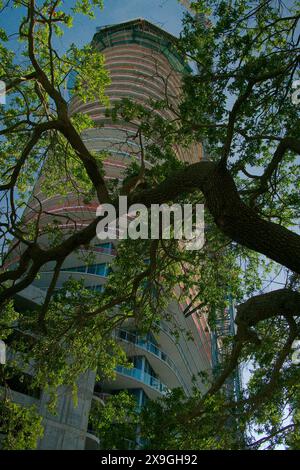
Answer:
[(144, 66)]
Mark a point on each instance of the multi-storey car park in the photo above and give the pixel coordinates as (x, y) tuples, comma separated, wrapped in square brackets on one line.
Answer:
[(143, 65)]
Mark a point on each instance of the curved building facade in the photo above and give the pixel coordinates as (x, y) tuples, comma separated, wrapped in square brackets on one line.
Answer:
[(144, 65)]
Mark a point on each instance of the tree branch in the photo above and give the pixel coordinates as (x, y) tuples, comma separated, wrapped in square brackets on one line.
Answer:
[(233, 217)]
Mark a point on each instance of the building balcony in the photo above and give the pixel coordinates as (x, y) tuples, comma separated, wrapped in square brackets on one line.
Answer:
[(125, 335), (101, 397), (144, 378), (91, 441), (165, 366)]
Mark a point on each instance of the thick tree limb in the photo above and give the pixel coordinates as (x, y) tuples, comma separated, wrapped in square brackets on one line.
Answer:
[(233, 217), (264, 306), (289, 306), (68, 129), (11, 85), (287, 143)]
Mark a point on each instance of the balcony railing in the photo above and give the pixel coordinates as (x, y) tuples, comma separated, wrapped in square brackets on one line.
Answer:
[(164, 327), (142, 343), (101, 397), (145, 378)]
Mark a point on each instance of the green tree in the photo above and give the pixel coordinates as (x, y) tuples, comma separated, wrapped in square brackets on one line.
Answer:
[(20, 426), (240, 103), (115, 422)]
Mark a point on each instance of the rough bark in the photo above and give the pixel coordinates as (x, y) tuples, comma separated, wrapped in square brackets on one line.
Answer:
[(233, 217), (264, 306)]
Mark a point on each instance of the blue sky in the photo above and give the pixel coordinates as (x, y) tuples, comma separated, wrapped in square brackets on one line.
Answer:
[(166, 14)]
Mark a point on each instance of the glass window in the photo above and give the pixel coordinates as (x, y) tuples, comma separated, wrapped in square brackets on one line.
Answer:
[(107, 247), (99, 288), (151, 338), (149, 370), (144, 398), (123, 334), (95, 288), (99, 269), (91, 269), (77, 269), (137, 362)]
